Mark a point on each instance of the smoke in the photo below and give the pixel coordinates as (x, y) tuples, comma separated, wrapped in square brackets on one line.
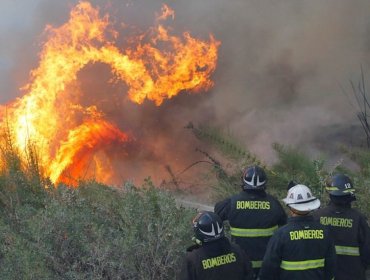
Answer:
[(280, 71), (282, 68)]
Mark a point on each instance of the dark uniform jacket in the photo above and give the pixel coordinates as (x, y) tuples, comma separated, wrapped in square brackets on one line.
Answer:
[(351, 235), (253, 217), (217, 260), (300, 250)]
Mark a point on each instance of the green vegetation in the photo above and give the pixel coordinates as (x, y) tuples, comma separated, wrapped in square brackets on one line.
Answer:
[(291, 164), (100, 232), (92, 232)]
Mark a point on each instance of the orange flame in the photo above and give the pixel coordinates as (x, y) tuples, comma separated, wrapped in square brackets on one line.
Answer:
[(74, 154), (67, 134)]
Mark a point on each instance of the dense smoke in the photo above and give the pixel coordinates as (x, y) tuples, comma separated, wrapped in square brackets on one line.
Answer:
[(282, 66)]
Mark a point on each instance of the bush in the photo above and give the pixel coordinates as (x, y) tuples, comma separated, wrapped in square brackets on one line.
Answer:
[(91, 232), (95, 232), (291, 164)]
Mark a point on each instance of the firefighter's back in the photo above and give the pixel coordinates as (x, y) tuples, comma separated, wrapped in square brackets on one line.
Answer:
[(348, 228), (213, 257), (218, 261), (253, 215)]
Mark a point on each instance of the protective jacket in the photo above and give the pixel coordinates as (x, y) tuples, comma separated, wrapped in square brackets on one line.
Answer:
[(253, 217), (302, 250), (217, 260), (351, 235)]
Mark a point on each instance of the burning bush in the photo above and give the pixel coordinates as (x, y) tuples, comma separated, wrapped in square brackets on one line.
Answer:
[(92, 232)]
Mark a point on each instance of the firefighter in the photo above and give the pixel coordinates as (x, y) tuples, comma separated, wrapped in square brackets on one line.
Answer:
[(348, 227), (213, 257), (253, 215), (302, 249)]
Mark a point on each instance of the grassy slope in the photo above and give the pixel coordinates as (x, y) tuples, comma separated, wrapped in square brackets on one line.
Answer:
[(99, 232)]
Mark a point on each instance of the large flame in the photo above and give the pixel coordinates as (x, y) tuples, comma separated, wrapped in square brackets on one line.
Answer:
[(68, 135)]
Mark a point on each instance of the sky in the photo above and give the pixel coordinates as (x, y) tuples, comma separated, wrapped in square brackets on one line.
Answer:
[(283, 72)]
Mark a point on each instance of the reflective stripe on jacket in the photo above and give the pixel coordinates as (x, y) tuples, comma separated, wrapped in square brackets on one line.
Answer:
[(253, 232), (253, 217), (351, 236), (302, 250)]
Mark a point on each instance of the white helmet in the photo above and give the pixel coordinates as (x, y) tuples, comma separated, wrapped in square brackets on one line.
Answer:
[(300, 198)]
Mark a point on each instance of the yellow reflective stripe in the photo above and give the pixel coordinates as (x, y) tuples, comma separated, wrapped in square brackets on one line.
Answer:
[(350, 191), (252, 232), (347, 250), (256, 264), (302, 265), (336, 189)]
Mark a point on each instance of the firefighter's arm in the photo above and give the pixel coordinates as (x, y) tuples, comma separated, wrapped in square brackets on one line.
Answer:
[(279, 212), (283, 216), (364, 240), (222, 209), (248, 270), (270, 269), (187, 271), (330, 261)]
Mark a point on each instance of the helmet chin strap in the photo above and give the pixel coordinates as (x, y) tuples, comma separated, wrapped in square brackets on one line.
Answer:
[(197, 241)]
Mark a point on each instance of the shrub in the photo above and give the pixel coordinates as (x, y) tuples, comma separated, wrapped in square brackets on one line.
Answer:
[(291, 164), (95, 232)]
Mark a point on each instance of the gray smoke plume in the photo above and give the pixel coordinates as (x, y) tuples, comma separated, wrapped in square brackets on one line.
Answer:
[(281, 69)]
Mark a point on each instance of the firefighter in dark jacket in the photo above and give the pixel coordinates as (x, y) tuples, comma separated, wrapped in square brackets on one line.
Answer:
[(302, 249), (214, 257), (253, 215), (349, 229)]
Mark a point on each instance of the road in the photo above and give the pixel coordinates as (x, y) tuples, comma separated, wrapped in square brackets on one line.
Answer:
[(195, 205)]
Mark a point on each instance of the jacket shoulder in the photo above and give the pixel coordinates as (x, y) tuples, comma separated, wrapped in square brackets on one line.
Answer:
[(226, 202), (327, 210), (321, 211), (358, 213), (192, 248), (273, 199)]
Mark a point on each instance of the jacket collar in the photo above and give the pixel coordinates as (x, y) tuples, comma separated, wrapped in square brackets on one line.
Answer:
[(299, 219)]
